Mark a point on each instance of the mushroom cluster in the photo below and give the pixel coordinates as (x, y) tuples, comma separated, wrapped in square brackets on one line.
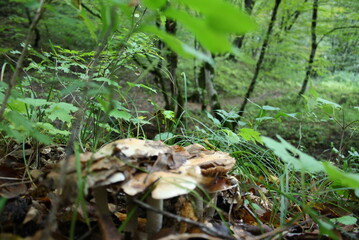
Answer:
[(155, 170)]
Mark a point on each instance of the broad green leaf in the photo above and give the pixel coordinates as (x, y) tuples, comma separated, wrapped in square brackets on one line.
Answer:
[(231, 136), (228, 115), (346, 220), (222, 16), (270, 108), (326, 102), (213, 119), (106, 80), (154, 4), (169, 114), (61, 111), (350, 180), (177, 46), (250, 134), (50, 129), (163, 136), (120, 114), (288, 153), (172, 42), (34, 102), (215, 42)]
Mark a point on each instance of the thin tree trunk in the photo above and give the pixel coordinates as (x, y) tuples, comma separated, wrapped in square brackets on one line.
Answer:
[(172, 59), (238, 41), (20, 62), (261, 57), (313, 50), (211, 91)]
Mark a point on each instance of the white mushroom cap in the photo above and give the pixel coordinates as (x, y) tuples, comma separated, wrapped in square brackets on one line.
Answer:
[(166, 184)]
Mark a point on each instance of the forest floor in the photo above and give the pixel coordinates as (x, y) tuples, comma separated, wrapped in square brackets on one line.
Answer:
[(37, 209)]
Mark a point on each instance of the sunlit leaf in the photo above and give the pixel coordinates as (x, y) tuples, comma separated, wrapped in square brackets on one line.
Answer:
[(270, 108), (61, 111), (231, 136), (288, 153), (163, 136), (154, 4), (222, 16), (345, 179), (120, 114), (346, 220), (250, 134), (33, 102), (215, 42)]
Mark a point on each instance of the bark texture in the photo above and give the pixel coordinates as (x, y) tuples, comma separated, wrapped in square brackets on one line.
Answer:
[(314, 46), (261, 57)]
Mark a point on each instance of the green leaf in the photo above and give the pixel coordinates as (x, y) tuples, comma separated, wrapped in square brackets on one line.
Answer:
[(264, 118), (346, 220), (50, 129), (250, 134), (60, 111), (213, 119), (288, 153), (350, 180), (141, 86), (177, 45), (222, 16), (34, 102), (108, 81), (120, 114), (172, 42), (170, 115), (163, 136), (270, 108), (154, 4), (231, 136), (215, 42), (327, 229)]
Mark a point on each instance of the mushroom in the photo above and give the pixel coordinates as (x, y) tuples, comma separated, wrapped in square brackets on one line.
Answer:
[(124, 156), (214, 166), (136, 166), (166, 185)]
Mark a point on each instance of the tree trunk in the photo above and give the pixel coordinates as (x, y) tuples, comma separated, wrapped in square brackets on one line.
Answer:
[(313, 50), (261, 57), (176, 101), (238, 41)]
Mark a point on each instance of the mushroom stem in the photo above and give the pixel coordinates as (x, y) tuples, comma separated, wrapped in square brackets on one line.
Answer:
[(131, 226), (198, 202), (154, 220), (209, 213), (107, 227)]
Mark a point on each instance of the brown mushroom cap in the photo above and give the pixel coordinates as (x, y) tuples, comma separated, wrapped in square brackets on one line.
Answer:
[(212, 163)]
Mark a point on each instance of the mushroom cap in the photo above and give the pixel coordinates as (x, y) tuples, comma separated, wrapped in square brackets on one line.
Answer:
[(166, 184), (212, 163)]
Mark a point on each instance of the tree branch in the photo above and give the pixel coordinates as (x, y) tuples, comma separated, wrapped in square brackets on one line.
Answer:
[(333, 30), (90, 11)]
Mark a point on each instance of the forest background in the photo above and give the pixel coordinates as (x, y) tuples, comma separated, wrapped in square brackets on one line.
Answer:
[(219, 73)]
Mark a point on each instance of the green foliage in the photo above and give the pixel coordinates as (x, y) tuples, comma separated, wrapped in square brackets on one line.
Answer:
[(210, 29), (292, 156)]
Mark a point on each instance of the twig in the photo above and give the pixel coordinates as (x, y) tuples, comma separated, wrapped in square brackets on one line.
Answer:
[(205, 228)]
